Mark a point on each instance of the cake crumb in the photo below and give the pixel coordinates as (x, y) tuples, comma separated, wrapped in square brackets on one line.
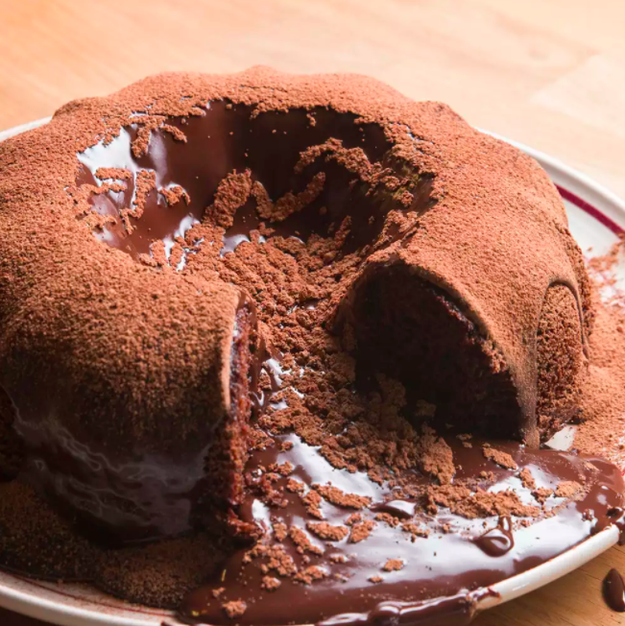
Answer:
[(361, 531), (338, 558), (568, 489), (310, 575), (542, 494), (393, 565), (302, 541), (503, 459), (312, 502), (527, 479), (327, 531), (295, 486), (388, 519), (415, 530), (234, 608), (270, 583), (280, 531), (340, 498), (283, 469), (435, 455), (354, 518)]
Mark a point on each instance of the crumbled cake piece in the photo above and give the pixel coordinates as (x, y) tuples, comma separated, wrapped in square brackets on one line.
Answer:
[(327, 531), (234, 608), (503, 459)]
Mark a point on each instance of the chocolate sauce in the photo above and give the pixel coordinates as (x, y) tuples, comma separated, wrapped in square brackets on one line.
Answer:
[(439, 571), (228, 138), (499, 540), (455, 610), (398, 508), (614, 591)]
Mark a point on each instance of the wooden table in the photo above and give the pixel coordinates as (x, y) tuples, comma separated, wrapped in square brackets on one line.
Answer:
[(550, 73)]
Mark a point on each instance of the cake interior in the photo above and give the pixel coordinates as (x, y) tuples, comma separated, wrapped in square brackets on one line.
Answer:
[(413, 332), (561, 360), (223, 486)]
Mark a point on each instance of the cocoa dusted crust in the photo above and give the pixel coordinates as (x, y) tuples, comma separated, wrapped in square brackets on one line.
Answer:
[(126, 342)]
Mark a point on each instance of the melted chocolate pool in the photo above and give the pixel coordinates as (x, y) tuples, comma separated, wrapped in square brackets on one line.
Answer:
[(457, 557), (228, 139)]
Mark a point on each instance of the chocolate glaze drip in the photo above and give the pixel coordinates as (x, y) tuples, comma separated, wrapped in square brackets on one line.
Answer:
[(499, 540), (455, 559), (614, 591)]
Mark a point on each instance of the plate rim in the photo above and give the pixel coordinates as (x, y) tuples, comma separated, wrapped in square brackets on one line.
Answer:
[(584, 192)]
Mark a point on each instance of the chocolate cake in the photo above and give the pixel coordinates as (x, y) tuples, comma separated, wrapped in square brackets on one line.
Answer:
[(253, 323)]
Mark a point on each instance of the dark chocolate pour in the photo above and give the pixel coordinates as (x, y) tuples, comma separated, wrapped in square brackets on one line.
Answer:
[(229, 138), (438, 570), (614, 591)]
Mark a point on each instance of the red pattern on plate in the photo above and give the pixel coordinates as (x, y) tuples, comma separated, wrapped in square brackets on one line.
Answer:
[(580, 203)]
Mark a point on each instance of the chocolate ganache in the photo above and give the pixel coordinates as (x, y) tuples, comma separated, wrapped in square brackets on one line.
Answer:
[(263, 337), (447, 543)]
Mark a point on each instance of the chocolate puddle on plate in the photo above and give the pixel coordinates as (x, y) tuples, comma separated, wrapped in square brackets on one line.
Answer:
[(369, 557)]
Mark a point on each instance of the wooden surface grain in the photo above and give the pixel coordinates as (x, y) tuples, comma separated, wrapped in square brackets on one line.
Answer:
[(549, 73)]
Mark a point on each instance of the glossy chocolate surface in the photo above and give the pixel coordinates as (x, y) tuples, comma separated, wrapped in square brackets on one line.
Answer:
[(472, 554), (614, 591), (229, 138)]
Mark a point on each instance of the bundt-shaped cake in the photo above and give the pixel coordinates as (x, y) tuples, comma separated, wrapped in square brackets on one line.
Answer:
[(177, 261)]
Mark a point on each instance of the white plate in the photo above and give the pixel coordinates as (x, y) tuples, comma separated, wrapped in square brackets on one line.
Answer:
[(596, 216)]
